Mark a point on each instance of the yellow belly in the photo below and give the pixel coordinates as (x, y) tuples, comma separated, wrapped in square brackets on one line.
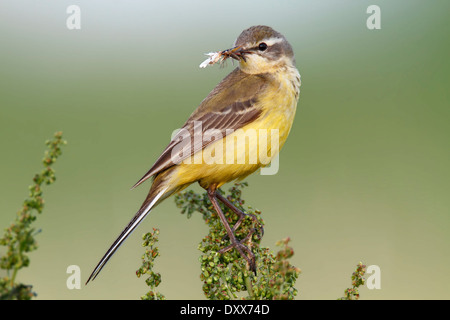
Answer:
[(246, 150)]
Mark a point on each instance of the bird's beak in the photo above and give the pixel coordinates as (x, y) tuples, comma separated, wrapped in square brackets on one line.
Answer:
[(236, 53)]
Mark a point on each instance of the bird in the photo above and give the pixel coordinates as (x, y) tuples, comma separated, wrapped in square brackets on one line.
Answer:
[(261, 93)]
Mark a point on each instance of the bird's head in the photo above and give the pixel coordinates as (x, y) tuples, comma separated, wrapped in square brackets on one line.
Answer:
[(260, 49)]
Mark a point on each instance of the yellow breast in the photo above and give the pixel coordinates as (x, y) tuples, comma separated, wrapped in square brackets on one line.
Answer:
[(246, 150)]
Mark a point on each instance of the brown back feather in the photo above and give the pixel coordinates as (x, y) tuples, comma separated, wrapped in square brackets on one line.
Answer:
[(231, 105)]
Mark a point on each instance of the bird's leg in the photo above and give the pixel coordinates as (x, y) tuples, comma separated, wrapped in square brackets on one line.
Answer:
[(240, 213), (250, 258)]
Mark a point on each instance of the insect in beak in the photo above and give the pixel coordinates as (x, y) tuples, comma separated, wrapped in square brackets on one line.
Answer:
[(236, 53)]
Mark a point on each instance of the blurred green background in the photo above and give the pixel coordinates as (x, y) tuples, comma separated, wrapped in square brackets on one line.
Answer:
[(364, 175)]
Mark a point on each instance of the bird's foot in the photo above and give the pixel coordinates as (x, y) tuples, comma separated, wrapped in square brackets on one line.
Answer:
[(249, 256)]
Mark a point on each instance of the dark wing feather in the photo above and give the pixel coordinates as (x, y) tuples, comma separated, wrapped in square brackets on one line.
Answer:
[(231, 105)]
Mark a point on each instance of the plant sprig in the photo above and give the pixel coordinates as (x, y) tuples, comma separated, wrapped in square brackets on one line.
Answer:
[(226, 276), (19, 237), (357, 281), (148, 258)]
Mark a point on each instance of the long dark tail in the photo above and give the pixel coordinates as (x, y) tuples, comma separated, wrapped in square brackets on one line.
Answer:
[(147, 206)]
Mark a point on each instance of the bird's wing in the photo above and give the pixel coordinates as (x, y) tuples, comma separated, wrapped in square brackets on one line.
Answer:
[(230, 106)]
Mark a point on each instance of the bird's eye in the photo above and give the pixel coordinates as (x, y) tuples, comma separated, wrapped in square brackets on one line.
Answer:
[(262, 46)]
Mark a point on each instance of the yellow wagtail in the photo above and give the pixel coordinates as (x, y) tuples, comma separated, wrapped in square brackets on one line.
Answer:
[(261, 94)]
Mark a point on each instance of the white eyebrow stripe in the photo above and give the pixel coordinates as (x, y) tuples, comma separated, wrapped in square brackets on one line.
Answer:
[(272, 41), (269, 42)]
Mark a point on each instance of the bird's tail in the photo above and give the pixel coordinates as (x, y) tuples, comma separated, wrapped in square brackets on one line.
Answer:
[(155, 196)]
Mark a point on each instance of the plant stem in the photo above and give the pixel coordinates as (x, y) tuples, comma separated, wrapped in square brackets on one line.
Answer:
[(228, 288), (248, 284), (13, 277)]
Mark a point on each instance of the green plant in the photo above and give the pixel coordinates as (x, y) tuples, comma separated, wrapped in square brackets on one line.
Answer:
[(226, 276), (357, 281), (19, 237), (151, 253)]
